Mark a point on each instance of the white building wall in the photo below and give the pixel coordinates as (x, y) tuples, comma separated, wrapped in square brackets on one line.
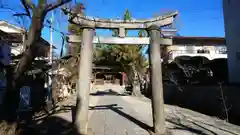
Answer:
[(182, 50), (16, 49)]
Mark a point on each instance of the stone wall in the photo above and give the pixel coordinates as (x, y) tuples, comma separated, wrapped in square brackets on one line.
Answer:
[(205, 99)]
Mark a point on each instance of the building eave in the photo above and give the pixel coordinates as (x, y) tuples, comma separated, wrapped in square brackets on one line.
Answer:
[(198, 40), (19, 29)]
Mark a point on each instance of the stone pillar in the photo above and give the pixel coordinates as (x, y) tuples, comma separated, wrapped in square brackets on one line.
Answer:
[(232, 33), (156, 80), (84, 80), (121, 32)]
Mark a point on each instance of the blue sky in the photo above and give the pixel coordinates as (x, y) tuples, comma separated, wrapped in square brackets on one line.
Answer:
[(196, 17)]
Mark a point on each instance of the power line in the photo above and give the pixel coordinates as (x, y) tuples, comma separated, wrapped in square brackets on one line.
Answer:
[(54, 29)]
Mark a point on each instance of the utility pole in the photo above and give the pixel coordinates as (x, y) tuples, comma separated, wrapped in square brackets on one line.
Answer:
[(51, 39), (49, 86)]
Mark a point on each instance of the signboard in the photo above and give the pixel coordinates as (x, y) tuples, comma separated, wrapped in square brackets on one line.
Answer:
[(24, 97)]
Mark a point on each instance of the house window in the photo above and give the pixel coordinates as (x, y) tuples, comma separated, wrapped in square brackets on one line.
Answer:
[(203, 51), (223, 50)]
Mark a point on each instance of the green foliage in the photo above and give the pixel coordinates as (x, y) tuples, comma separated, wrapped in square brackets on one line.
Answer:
[(115, 33), (74, 29), (127, 16), (142, 33), (130, 56)]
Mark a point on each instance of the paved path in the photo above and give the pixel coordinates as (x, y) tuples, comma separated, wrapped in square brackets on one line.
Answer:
[(71, 101), (125, 115), (111, 113), (115, 116)]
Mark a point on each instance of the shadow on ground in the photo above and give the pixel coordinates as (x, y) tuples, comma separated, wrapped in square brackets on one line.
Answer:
[(115, 108), (186, 123), (55, 126), (50, 126), (191, 126), (108, 92), (44, 124)]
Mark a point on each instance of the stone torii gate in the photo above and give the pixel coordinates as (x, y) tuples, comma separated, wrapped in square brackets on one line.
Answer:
[(89, 24)]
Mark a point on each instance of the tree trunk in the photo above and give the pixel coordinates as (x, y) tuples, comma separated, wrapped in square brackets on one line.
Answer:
[(136, 83), (34, 35), (32, 46)]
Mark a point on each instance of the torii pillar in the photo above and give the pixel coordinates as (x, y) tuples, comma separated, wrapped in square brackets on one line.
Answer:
[(232, 34), (156, 80), (84, 80)]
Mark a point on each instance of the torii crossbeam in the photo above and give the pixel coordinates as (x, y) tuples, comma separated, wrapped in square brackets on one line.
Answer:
[(119, 41), (115, 24), (89, 24)]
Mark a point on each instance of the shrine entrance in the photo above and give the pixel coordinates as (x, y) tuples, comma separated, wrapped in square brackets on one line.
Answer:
[(108, 74), (89, 24), (102, 78)]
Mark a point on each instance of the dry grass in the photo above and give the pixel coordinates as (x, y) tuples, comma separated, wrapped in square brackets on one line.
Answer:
[(8, 128)]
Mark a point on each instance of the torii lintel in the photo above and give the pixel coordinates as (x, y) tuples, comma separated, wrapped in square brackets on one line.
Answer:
[(86, 21)]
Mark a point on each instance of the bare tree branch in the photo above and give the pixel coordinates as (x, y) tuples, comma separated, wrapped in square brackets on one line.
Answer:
[(28, 4), (17, 16), (56, 5), (8, 9), (20, 14)]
